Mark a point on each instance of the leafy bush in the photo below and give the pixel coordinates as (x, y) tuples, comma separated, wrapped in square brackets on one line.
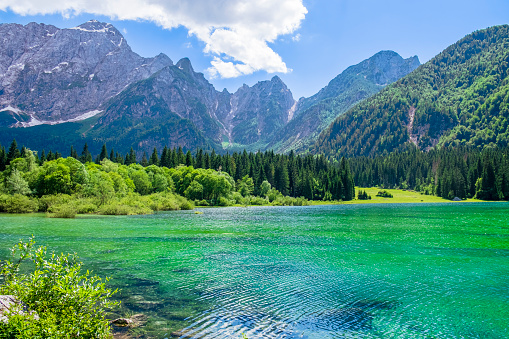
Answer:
[(222, 201), (202, 202), (117, 208), (69, 303), (258, 201), (68, 210), (384, 194), (184, 204), (47, 201), (18, 203), (362, 195), (163, 202)]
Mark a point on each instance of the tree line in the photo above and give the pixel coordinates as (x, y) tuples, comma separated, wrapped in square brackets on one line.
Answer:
[(462, 172), (449, 172), (311, 177)]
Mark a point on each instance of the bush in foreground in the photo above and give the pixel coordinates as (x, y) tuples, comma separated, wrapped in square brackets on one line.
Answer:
[(69, 303)]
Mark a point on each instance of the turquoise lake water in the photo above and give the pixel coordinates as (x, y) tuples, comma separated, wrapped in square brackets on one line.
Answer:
[(346, 271)]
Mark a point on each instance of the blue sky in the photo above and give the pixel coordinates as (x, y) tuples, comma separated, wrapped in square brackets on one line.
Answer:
[(306, 43)]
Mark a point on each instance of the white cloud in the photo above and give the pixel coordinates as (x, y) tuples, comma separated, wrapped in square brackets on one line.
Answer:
[(124, 31), (188, 45), (296, 37), (237, 30)]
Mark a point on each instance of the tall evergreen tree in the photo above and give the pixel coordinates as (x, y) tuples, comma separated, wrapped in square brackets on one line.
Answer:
[(3, 159), (74, 153), (103, 154), (154, 158), (144, 160), (165, 158), (189, 159), (130, 158), (13, 152), (86, 156), (42, 158)]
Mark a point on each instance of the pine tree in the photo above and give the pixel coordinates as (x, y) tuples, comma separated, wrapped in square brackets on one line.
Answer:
[(86, 156), (189, 159), (42, 159), (3, 159), (13, 152), (73, 153), (130, 158), (154, 158), (103, 154), (181, 158), (165, 158), (144, 160)]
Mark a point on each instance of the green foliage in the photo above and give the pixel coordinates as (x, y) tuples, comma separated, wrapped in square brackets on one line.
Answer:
[(69, 303), (67, 210), (245, 186), (384, 194), (18, 203), (362, 195), (265, 188), (16, 184)]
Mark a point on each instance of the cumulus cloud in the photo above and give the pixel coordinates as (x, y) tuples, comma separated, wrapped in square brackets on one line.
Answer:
[(235, 32)]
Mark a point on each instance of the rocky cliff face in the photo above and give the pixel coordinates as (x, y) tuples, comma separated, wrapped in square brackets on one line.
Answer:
[(51, 75), (174, 107), (259, 111), (353, 85)]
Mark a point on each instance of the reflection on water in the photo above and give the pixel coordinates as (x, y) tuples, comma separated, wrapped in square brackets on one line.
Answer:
[(369, 271)]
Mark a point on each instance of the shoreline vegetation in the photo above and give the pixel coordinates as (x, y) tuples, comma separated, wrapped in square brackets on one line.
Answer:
[(114, 185), (55, 299)]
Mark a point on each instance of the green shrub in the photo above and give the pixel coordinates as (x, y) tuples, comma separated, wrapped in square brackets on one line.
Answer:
[(384, 194), (85, 207), (163, 202), (62, 211), (117, 208), (258, 201), (18, 203), (222, 201), (69, 303), (237, 197), (46, 201), (202, 202), (184, 204)]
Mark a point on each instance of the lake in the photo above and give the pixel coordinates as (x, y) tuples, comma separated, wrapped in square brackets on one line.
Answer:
[(343, 271)]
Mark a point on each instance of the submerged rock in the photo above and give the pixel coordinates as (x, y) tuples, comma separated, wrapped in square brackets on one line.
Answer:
[(136, 320)]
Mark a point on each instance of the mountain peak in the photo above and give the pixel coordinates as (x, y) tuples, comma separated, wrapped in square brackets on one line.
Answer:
[(96, 27), (185, 65)]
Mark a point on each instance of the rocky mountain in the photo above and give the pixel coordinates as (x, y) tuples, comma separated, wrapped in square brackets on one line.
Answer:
[(353, 85), (175, 107), (62, 87), (460, 97), (50, 75), (86, 83), (257, 112)]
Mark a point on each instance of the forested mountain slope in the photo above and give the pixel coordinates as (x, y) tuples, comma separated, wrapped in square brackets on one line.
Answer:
[(460, 97), (353, 85)]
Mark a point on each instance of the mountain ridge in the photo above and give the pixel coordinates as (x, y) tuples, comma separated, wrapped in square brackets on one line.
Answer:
[(460, 97), (155, 103), (353, 85)]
